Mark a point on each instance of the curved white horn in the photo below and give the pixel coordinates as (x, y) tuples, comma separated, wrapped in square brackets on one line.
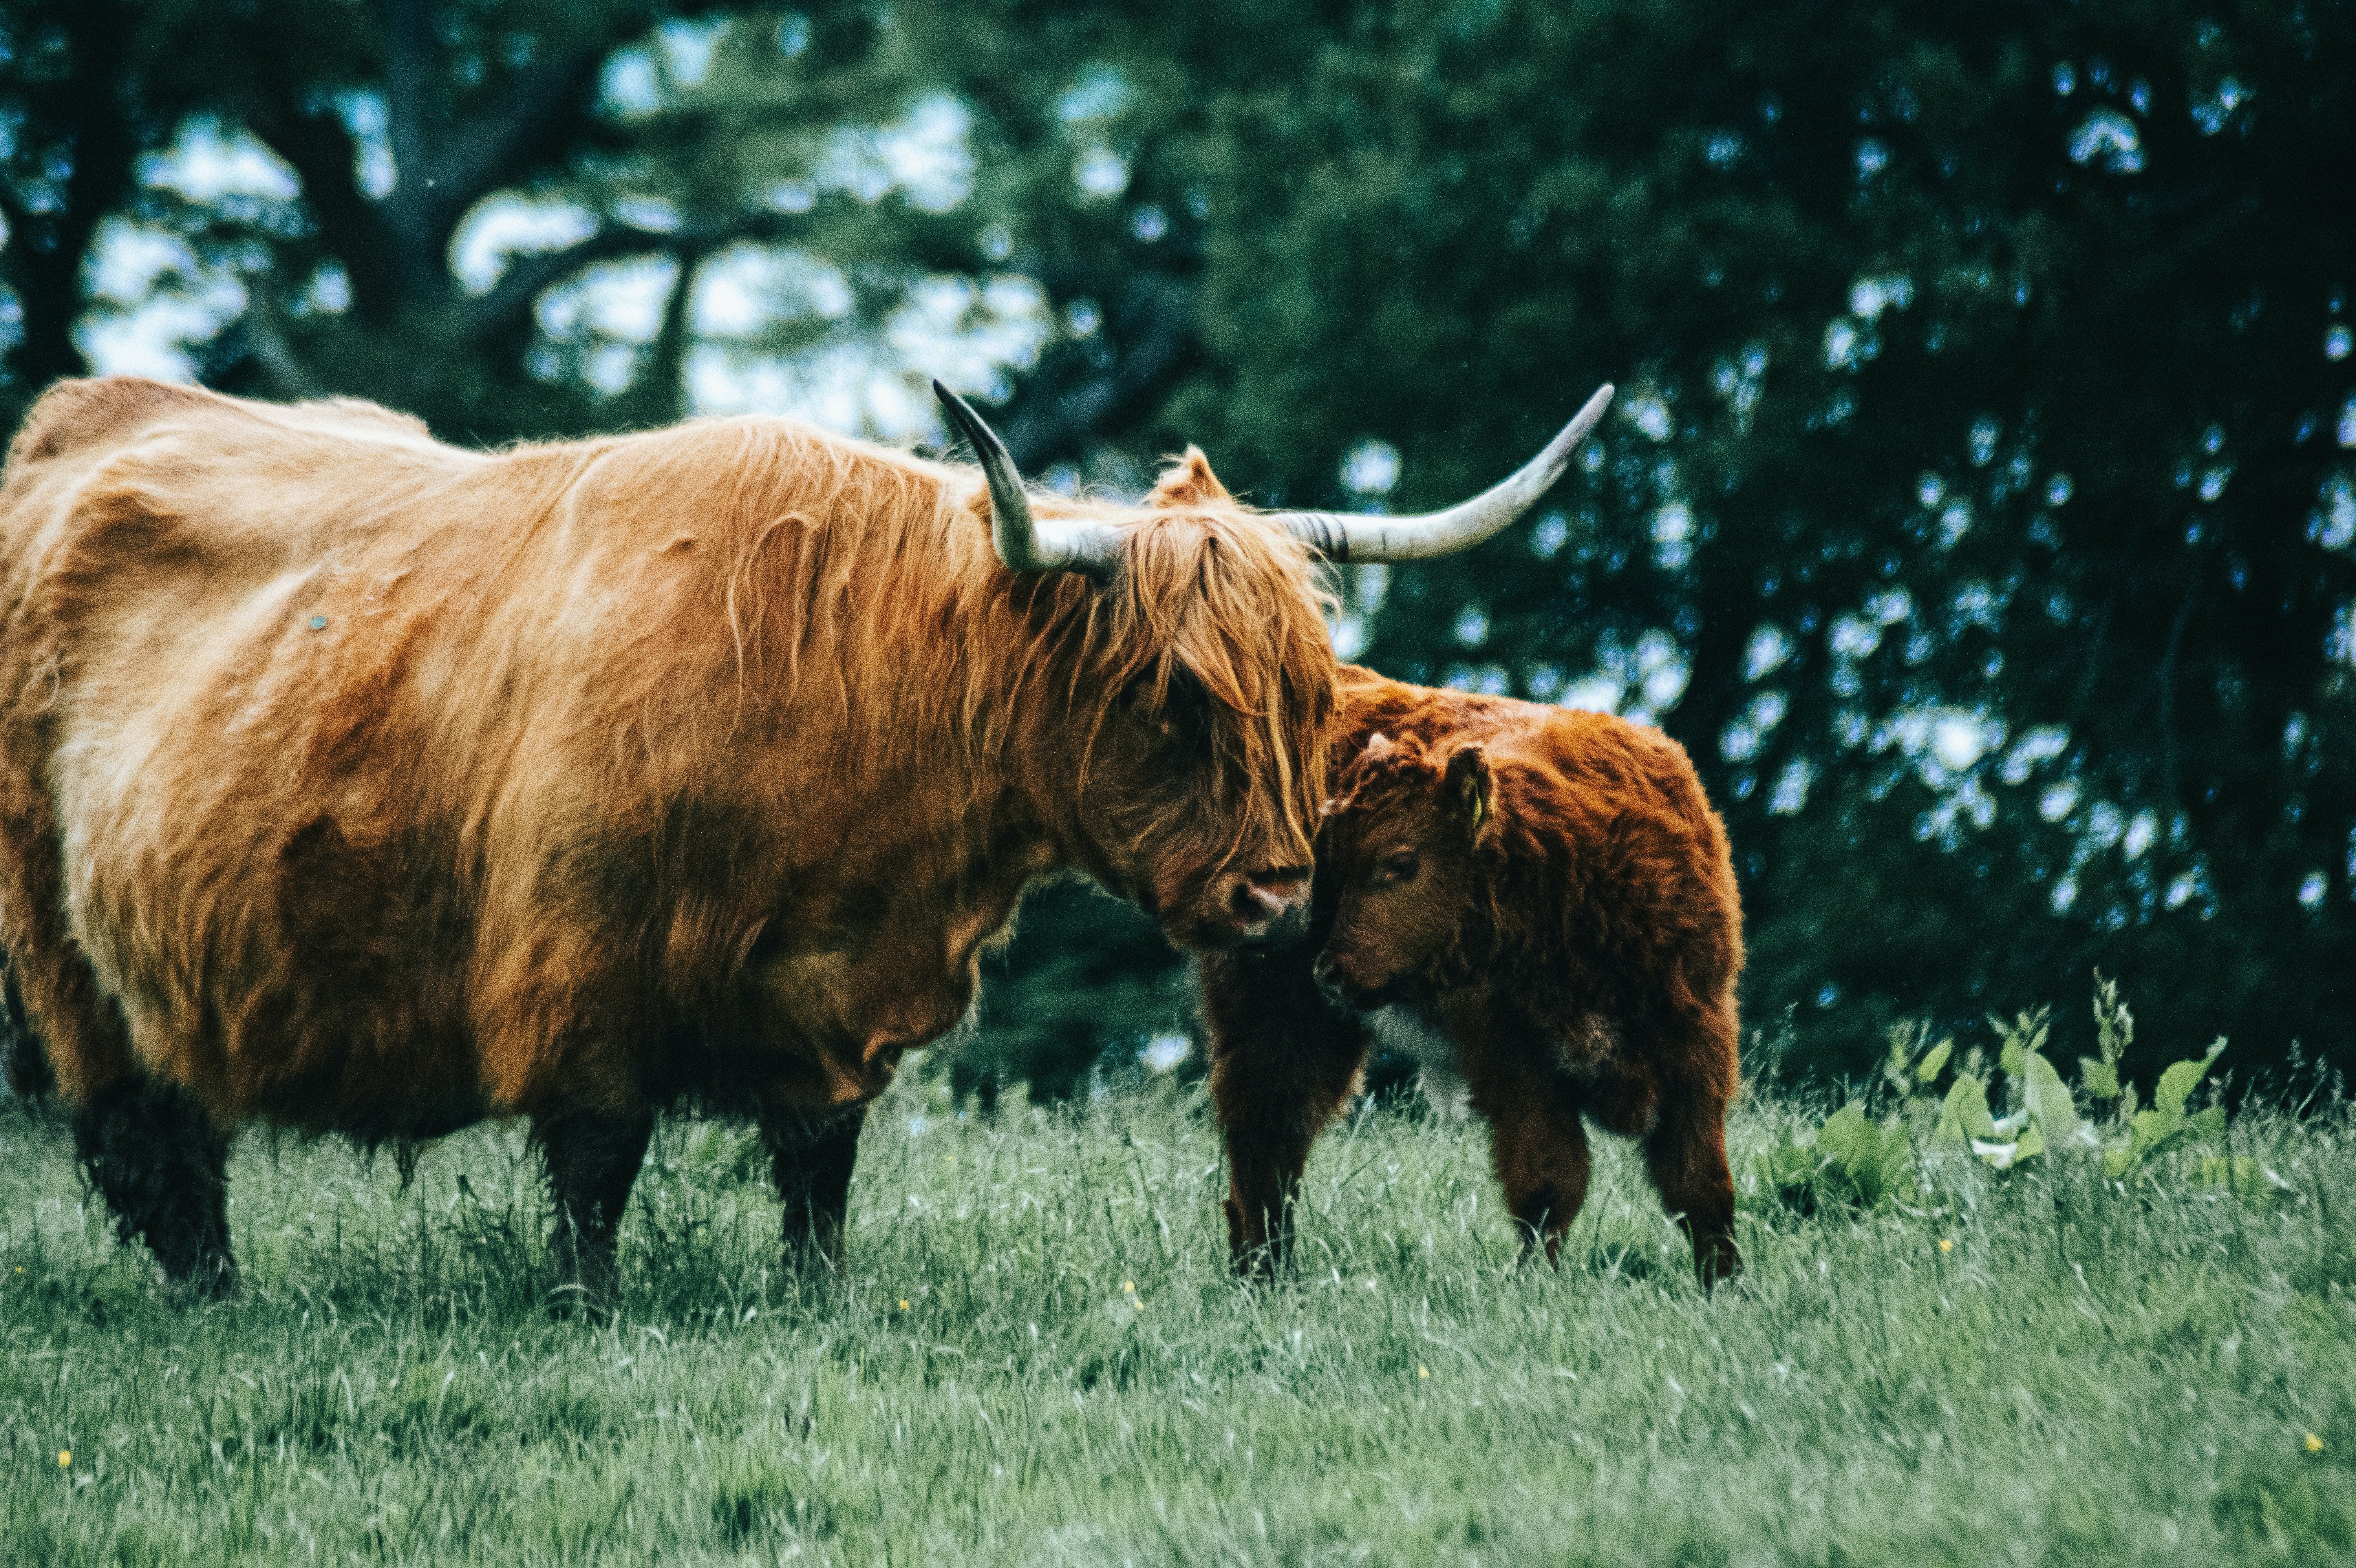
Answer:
[(1344, 536), (1024, 543)]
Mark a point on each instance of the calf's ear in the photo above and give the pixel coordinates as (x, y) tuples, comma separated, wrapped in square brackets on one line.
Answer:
[(1469, 787)]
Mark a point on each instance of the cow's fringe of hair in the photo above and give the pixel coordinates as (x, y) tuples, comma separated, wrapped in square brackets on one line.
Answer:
[(1477, 945), (833, 575)]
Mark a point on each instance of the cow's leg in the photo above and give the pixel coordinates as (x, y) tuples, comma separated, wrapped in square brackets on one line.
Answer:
[(1686, 1149), (162, 1167), (1538, 1143), (1267, 1151), (811, 1154), (1283, 1061), (592, 1157)]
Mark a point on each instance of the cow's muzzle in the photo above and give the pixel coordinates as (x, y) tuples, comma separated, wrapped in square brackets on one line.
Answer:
[(1263, 909)]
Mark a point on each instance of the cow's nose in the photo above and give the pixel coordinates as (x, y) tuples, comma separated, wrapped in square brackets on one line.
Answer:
[(1269, 895)]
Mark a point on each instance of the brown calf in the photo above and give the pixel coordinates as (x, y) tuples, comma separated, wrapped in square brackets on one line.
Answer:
[(1534, 901)]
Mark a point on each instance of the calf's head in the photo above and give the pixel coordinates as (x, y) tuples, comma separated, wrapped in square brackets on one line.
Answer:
[(1402, 849)]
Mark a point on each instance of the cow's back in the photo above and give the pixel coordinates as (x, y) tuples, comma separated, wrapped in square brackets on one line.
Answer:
[(181, 643), (364, 778)]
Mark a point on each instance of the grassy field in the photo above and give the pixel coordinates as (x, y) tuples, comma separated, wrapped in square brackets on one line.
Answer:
[(1036, 1357)]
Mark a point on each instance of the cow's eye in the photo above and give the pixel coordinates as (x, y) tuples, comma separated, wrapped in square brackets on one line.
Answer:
[(1182, 716), (1401, 866)]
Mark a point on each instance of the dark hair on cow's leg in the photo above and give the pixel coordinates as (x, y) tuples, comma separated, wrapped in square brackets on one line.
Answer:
[(1284, 1061), (23, 1063), (162, 1167), (1686, 1149), (1268, 1150), (591, 1158), (811, 1154)]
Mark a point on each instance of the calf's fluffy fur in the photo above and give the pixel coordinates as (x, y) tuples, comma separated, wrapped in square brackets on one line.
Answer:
[(1536, 901)]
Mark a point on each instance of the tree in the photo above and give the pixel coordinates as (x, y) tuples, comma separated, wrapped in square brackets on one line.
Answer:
[(1979, 511), (643, 131), (1978, 508)]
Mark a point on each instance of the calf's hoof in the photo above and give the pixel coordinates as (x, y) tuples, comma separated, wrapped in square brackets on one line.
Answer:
[(1717, 1261)]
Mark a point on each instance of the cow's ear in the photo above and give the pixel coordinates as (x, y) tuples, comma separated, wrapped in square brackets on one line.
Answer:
[(1469, 787), (1188, 482)]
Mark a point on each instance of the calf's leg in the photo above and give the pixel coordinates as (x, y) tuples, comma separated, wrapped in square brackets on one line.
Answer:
[(162, 1167), (592, 1157), (811, 1154), (1686, 1153), (1536, 1143), (1686, 1149)]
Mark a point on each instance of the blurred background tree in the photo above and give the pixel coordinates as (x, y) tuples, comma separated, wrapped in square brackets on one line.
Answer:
[(1978, 509)]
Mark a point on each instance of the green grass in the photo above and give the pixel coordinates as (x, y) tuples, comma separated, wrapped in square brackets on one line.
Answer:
[(2086, 1376)]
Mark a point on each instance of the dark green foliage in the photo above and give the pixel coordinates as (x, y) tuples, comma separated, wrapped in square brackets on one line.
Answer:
[(1086, 982), (1440, 227), (1978, 509), (1979, 516)]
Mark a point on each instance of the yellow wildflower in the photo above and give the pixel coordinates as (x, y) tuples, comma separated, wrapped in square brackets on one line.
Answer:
[(903, 1304), (1946, 1245), (1422, 1371), (2314, 1444), (65, 1458)]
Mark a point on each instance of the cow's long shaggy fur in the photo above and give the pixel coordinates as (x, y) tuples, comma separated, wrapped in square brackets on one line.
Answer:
[(354, 783), (1542, 904)]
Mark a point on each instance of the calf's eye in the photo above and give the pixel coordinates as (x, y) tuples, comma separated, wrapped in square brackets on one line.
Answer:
[(1401, 866)]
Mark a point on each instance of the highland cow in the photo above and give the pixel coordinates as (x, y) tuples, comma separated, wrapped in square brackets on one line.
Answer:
[(353, 783), (1537, 904)]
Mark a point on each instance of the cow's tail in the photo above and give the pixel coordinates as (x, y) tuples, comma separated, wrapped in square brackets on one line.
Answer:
[(22, 1060)]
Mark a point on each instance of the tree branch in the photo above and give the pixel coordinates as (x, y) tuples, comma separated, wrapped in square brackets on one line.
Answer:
[(319, 150), (509, 303), (411, 63), (265, 343), (43, 259), (510, 300), (659, 397)]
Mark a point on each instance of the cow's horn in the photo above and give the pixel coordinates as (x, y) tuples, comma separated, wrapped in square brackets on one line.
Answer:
[(1026, 543), (1359, 537)]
